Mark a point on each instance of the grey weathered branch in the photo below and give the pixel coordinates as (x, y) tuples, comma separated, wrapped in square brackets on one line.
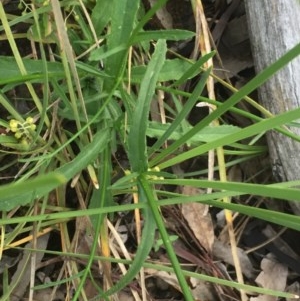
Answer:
[(274, 28)]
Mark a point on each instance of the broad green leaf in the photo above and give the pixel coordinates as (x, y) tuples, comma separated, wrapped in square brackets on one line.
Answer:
[(123, 18), (8, 139), (169, 35), (21, 193), (10, 72), (208, 134), (102, 52), (194, 69), (91, 70), (171, 70), (101, 14), (175, 69), (137, 136)]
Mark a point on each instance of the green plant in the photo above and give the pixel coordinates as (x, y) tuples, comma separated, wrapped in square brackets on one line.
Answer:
[(85, 114)]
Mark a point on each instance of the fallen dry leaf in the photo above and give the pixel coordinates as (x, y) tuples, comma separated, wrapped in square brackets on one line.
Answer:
[(46, 294), (198, 218), (222, 251), (163, 15), (8, 262), (201, 290), (169, 278), (234, 49), (294, 288), (24, 267), (273, 276)]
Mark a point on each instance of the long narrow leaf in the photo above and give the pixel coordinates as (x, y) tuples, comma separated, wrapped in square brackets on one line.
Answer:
[(137, 136), (279, 218), (194, 69)]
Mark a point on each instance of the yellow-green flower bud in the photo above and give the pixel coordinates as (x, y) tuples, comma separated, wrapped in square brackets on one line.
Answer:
[(13, 125), (18, 135), (24, 142), (29, 120)]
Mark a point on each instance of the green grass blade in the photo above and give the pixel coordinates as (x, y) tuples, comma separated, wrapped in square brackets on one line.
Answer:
[(279, 218), (233, 100), (182, 114), (153, 204), (104, 197), (150, 13), (262, 126), (145, 245), (249, 288), (273, 191), (186, 273), (193, 70)]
